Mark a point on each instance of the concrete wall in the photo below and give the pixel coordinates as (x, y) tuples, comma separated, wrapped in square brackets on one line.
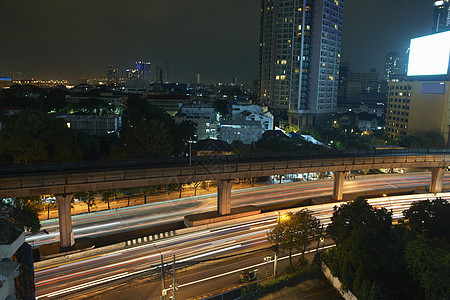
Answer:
[(336, 283)]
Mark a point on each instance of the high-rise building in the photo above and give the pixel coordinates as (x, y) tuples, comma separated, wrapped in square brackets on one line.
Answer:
[(300, 45), (112, 74), (393, 66), (418, 107), (143, 69), (159, 78), (421, 104), (441, 16)]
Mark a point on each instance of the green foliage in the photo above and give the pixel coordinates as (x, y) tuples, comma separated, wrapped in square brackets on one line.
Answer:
[(144, 140), (89, 144), (430, 139), (35, 137), (93, 106), (31, 218), (87, 198), (294, 231), (251, 291), (431, 218), (428, 261), (341, 138), (302, 261), (361, 233), (369, 252), (357, 214), (221, 106)]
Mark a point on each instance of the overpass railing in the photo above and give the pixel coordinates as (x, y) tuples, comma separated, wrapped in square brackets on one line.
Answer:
[(71, 167)]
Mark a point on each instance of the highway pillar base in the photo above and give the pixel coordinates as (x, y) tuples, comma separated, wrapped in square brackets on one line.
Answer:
[(437, 175), (338, 188), (224, 197), (66, 237)]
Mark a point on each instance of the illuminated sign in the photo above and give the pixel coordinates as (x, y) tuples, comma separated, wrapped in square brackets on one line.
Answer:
[(429, 55)]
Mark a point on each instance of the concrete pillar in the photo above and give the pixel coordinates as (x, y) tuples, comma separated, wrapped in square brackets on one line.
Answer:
[(224, 196), (338, 188), (437, 175), (66, 237)]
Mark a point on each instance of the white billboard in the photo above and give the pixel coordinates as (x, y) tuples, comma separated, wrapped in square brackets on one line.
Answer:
[(429, 55)]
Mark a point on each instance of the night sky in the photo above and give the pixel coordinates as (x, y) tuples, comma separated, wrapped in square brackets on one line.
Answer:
[(216, 38)]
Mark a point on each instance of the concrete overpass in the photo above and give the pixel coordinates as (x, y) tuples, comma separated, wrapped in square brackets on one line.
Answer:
[(62, 180)]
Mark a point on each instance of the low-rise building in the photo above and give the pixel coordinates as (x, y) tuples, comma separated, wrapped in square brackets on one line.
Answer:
[(168, 102), (94, 125), (240, 129), (203, 115)]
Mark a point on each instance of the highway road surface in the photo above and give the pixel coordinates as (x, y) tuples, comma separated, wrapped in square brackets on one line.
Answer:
[(70, 278), (143, 216)]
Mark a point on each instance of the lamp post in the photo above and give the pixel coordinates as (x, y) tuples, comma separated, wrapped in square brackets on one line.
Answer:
[(267, 259), (275, 264), (163, 297)]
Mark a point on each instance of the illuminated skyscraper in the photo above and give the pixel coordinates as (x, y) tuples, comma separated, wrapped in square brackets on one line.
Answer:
[(143, 69), (300, 45), (112, 74), (393, 66), (441, 17)]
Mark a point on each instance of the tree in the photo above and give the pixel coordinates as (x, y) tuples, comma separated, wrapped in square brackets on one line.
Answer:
[(148, 190), (356, 214), (144, 140), (361, 234), (87, 198), (181, 133), (221, 106), (51, 203), (431, 218), (106, 196), (294, 231), (36, 137), (428, 261)]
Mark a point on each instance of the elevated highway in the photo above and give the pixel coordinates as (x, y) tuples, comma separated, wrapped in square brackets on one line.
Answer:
[(62, 180)]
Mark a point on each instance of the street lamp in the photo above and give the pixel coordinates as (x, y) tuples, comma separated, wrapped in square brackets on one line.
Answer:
[(275, 264), (163, 286)]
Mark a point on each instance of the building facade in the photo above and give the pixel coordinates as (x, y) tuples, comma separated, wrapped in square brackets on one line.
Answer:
[(300, 44), (393, 66), (418, 107), (203, 115), (94, 125), (441, 16)]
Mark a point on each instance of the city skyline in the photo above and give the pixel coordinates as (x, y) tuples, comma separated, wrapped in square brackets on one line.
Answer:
[(217, 40)]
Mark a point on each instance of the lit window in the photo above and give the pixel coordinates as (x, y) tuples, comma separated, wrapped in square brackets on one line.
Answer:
[(330, 77), (308, 27), (68, 124)]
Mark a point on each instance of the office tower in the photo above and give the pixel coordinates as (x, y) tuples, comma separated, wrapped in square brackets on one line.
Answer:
[(166, 65), (132, 73), (441, 16), (393, 66), (422, 103), (112, 74), (143, 69), (159, 75), (300, 44)]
